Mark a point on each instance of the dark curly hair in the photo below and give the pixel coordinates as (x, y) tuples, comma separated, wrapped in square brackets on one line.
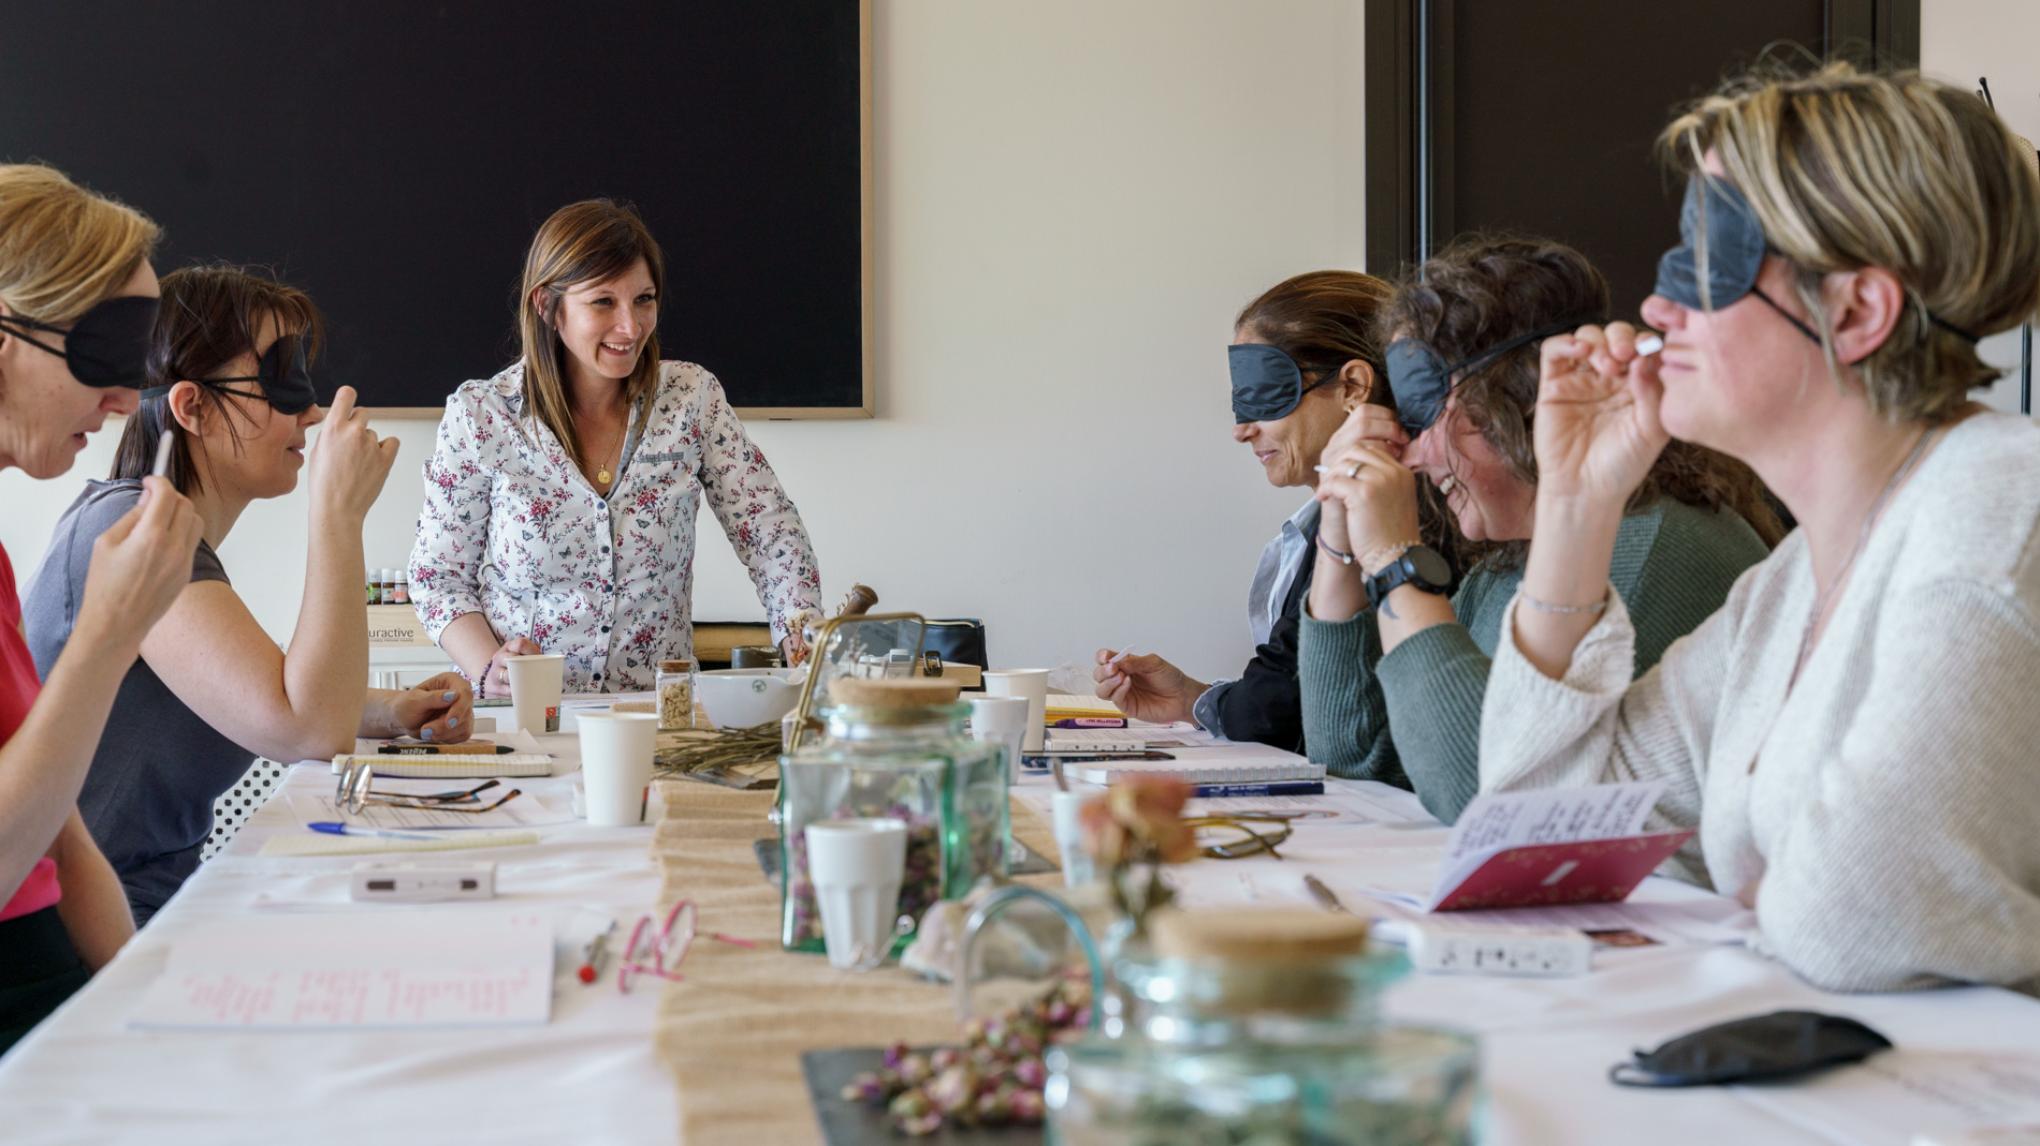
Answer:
[(1486, 289)]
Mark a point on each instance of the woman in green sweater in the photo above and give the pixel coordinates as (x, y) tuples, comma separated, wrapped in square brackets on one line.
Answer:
[(1393, 671)]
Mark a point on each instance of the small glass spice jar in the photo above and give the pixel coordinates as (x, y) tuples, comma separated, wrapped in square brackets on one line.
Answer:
[(1261, 1025), (674, 683), (894, 749)]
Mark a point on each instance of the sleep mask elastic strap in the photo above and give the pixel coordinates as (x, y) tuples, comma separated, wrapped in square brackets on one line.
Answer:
[(1421, 380)]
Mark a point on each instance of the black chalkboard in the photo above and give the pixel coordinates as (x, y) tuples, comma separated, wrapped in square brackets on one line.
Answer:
[(393, 158)]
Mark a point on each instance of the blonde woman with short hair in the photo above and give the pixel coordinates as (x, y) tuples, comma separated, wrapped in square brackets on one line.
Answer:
[(560, 501), (1854, 732), (77, 298)]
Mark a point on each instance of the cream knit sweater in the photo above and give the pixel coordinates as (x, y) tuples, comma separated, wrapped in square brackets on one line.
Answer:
[(1890, 829)]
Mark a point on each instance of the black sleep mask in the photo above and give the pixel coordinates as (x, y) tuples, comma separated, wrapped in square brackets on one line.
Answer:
[(1777, 1045), (1421, 380), (1735, 256), (1267, 384), (283, 374), (108, 345)]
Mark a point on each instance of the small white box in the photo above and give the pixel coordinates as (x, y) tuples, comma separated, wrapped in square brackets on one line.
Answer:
[(1527, 952), (423, 883)]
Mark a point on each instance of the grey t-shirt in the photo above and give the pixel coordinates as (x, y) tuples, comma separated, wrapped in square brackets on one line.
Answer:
[(148, 798)]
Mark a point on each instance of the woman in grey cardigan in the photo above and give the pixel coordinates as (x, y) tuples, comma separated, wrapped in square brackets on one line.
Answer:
[(1854, 732)]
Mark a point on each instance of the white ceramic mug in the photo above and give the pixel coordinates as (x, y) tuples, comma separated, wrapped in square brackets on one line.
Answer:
[(856, 867), (616, 764), (535, 682), (1029, 683)]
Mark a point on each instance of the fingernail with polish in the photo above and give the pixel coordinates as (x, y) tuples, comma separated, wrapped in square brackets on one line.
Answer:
[(453, 722), (425, 734), (449, 697)]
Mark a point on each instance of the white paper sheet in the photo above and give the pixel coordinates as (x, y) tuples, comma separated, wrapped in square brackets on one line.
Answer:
[(1899, 1093), (409, 969), (1496, 820), (526, 811)]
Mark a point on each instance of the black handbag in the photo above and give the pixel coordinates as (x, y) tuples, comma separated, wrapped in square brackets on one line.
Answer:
[(958, 641)]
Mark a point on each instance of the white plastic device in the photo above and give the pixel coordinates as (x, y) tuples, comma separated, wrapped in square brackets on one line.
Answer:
[(1529, 952), (423, 883)]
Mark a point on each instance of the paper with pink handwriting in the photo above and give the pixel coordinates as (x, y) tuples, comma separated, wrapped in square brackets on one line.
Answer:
[(396, 969)]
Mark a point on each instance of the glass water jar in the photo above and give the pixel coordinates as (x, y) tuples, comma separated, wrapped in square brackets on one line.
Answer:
[(1262, 1028), (894, 749), (674, 685)]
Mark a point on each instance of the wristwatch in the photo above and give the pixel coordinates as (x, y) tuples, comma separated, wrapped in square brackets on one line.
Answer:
[(1419, 566)]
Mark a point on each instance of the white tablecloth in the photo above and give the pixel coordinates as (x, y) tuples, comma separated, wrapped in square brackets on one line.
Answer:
[(590, 1075)]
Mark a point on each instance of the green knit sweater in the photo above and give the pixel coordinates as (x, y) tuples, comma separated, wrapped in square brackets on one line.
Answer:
[(1673, 566)]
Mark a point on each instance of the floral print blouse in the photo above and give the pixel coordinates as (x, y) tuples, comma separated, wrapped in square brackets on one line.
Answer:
[(512, 530)]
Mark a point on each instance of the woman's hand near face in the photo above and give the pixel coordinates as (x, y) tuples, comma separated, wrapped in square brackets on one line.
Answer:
[(139, 566), (1373, 495), (350, 463), (1368, 425), (1597, 429)]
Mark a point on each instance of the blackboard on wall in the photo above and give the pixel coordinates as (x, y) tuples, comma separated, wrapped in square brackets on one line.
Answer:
[(394, 157)]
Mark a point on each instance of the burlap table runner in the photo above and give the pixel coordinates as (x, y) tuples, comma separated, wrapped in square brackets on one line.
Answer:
[(733, 1030)]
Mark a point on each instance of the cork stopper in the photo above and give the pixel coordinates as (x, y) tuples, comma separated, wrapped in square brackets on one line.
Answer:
[(675, 666), (1260, 935), (908, 693)]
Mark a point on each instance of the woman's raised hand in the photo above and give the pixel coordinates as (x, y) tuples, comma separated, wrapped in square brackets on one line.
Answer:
[(139, 565), (495, 678), (1370, 432), (1597, 429), (349, 462)]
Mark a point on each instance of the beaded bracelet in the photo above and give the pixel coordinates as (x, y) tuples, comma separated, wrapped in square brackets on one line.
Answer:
[(1599, 606)]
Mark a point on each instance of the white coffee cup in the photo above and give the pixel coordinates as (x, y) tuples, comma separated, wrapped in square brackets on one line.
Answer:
[(616, 763), (1077, 865), (1002, 720), (1029, 683), (535, 682), (856, 867)]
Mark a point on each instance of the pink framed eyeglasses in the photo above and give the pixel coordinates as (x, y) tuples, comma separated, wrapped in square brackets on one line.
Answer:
[(658, 949)]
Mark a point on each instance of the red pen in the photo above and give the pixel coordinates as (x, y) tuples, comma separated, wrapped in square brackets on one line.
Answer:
[(591, 958)]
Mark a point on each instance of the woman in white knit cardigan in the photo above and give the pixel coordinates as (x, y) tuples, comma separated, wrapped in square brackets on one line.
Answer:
[(1857, 731)]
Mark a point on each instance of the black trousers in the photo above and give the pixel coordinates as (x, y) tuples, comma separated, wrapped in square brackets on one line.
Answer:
[(39, 969)]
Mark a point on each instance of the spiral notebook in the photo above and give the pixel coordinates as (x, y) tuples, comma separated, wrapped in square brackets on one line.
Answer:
[(1269, 769)]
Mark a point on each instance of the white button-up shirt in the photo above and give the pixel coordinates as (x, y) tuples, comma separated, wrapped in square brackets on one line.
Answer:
[(512, 530)]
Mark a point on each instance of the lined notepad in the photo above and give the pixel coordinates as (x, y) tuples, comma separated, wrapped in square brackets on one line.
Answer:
[(449, 766), (321, 844), (1253, 770)]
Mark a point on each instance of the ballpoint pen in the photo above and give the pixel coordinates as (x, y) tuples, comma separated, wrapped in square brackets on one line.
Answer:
[(336, 828)]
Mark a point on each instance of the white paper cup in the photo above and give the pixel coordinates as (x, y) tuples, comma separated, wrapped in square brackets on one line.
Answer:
[(856, 867), (1002, 720), (535, 680), (1032, 684), (616, 764), (1077, 864)]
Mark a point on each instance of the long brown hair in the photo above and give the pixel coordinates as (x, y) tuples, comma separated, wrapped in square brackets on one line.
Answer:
[(588, 241), (209, 317), (1486, 289)]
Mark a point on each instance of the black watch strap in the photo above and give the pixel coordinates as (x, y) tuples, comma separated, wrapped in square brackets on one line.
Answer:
[(1419, 567)]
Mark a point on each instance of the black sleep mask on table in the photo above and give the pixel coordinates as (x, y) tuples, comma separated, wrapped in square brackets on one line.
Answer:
[(1267, 384), (108, 346), (282, 373), (1778, 1045), (1421, 380)]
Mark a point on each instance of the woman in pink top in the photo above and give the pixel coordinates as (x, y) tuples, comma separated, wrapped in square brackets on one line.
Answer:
[(77, 300)]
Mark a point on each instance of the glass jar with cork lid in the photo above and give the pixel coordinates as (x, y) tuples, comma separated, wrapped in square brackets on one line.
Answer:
[(894, 749), (1261, 1025), (674, 684)]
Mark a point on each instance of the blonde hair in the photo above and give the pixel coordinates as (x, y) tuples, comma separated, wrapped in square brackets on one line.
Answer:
[(1848, 169), (588, 241), (64, 249)]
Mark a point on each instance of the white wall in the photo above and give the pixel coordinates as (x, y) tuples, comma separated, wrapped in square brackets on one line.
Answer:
[(1961, 40), (1073, 199)]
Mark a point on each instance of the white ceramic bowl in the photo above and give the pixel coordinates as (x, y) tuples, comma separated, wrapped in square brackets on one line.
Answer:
[(744, 698)]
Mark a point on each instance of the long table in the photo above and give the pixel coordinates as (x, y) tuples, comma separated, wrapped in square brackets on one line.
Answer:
[(591, 1075)]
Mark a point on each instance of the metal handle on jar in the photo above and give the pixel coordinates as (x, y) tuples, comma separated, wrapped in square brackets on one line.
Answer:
[(991, 907)]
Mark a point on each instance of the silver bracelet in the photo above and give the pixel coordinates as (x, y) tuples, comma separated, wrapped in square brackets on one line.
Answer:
[(1600, 606)]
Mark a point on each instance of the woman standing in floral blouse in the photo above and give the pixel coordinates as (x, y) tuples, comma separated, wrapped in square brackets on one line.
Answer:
[(560, 501)]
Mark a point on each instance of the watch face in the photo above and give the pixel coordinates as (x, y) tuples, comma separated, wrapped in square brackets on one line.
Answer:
[(1425, 565)]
